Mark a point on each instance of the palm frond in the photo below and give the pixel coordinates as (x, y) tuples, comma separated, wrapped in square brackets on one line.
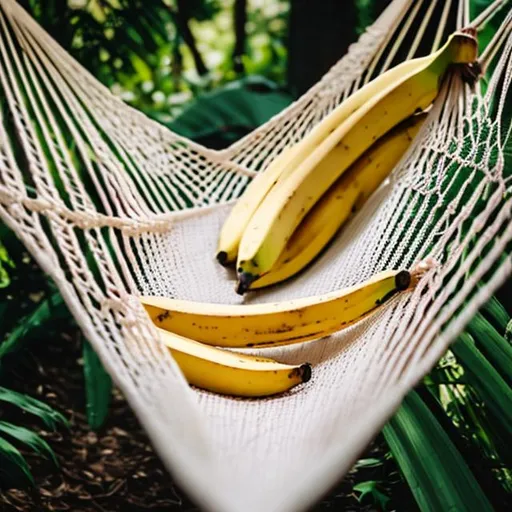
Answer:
[(435, 470), (13, 466), (495, 392)]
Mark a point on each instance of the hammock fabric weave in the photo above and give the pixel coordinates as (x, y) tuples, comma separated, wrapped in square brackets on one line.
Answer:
[(113, 205)]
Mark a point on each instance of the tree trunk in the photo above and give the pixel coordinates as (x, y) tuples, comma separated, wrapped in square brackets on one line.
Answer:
[(240, 18), (182, 18)]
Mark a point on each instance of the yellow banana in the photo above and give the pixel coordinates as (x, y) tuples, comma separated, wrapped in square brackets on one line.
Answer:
[(291, 158), (347, 195), (288, 202), (277, 323), (235, 223), (232, 373)]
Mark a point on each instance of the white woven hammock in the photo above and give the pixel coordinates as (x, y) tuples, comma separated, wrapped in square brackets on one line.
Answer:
[(112, 205)]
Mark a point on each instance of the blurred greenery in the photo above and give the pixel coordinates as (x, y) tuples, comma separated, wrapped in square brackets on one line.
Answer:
[(213, 70), (141, 51)]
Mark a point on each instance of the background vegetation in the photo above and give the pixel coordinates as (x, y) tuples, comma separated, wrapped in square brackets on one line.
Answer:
[(213, 70)]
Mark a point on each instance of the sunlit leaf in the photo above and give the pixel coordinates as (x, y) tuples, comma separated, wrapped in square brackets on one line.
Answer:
[(370, 489)]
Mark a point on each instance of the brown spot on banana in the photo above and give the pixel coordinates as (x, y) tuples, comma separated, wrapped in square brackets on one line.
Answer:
[(163, 316)]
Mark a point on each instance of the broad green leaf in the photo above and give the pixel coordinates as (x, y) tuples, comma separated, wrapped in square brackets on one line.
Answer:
[(495, 392), (494, 346), (51, 308), (98, 387), (436, 472), (238, 107), (49, 416), (31, 439), (13, 464)]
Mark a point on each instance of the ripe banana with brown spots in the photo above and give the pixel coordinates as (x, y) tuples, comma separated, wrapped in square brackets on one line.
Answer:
[(289, 201), (231, 373), (346, 196), (281, 323)]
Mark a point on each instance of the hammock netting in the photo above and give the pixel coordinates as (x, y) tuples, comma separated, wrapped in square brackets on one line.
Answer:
[(113, 205)]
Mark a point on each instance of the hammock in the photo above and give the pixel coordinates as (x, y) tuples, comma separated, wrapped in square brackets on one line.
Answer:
[(113, 205)]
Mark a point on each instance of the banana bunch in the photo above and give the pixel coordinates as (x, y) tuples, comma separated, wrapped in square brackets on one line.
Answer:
[(194, 331), (289, 213), (287, 216)]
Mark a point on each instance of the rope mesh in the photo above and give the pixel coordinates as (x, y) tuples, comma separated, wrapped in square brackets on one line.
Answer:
[(113, 205)]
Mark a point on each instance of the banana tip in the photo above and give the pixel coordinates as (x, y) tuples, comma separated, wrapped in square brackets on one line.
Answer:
[(403, 280), (244, 282), (222, 258), (305, 371)]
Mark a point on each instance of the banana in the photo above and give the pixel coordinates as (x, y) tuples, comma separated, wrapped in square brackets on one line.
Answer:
[(346, 196), (255, 325), (235, 223), (290, 158), (288, 202), (231, 373)]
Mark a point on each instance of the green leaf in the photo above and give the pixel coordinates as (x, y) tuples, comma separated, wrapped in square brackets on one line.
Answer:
[(5, 261), (49, 416), (13, 464), (141, 67), (238, 107), (436, 472), (370, 489), (368, 463), (31, 439), (497, 314), (494, 346), (98, 386), (494, 391), (52, 308)]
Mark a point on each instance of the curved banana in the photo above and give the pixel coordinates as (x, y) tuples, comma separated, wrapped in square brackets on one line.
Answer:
[(231, 373), (277, 323), (290, 158), (347, 195), (239, 216), (288, 202)]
